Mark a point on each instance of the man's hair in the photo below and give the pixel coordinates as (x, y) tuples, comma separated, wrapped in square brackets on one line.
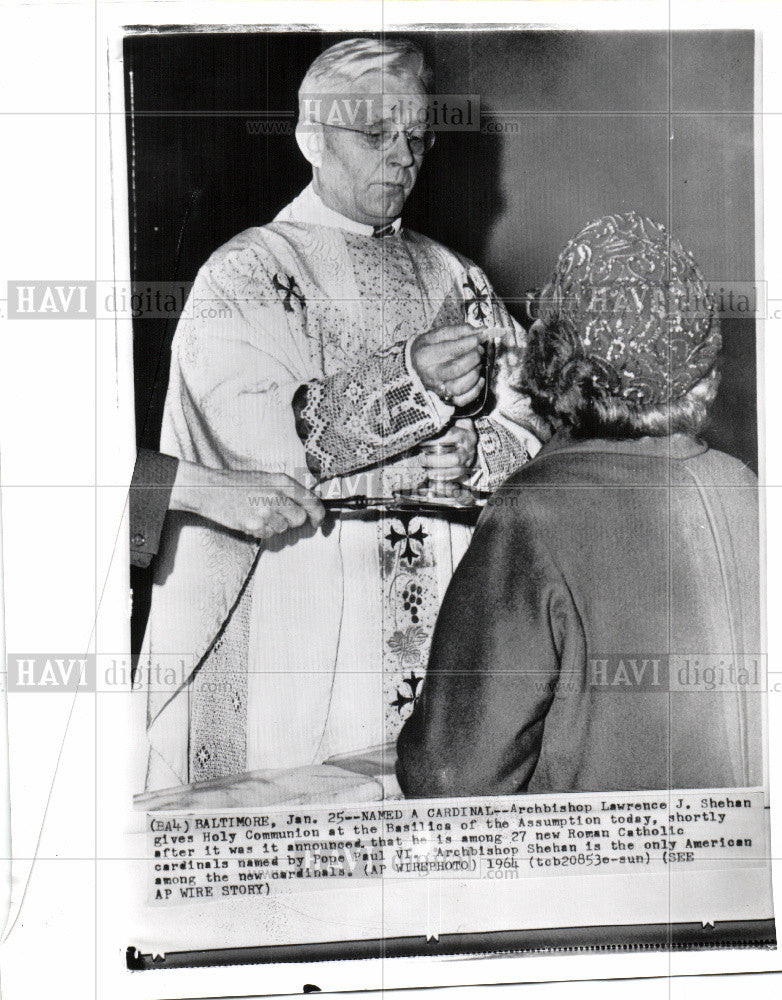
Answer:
[(344, 63), (584, 393)]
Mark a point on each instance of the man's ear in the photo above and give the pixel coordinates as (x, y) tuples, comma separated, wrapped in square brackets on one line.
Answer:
[(309, 136)]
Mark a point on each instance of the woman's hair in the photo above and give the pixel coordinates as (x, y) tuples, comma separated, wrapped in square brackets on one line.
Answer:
[(583, 391)]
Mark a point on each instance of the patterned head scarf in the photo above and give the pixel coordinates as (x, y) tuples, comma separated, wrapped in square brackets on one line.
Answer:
[(639, 307)]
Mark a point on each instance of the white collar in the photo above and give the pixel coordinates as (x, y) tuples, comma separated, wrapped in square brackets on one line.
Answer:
[(308, 208)]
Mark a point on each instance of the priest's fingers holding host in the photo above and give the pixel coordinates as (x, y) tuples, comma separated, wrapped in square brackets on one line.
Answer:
[(464, 365), (446, 353), (464, 390), (260, 504)]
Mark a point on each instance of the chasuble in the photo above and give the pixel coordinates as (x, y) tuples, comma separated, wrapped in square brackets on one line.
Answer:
[(293, 356)]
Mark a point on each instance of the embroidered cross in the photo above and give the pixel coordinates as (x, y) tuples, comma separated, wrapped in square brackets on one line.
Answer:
[(401, 698), (479, 300), (289, 291), (412, 682), (400, 701), (408, 537)]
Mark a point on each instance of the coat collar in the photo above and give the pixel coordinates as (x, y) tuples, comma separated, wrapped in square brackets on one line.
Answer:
[(674, 446), (309, 209)]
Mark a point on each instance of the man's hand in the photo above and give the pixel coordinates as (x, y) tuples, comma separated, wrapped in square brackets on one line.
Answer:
[(261, 504), (448, 361), (453, 465)]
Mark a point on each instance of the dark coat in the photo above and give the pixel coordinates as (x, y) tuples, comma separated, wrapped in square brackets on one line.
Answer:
[(593, 558), (150, 493)]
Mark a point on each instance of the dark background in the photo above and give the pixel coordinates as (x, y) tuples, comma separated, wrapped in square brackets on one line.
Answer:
[(595, 122)]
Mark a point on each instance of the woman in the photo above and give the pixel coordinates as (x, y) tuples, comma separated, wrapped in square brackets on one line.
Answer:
[(601, 633)]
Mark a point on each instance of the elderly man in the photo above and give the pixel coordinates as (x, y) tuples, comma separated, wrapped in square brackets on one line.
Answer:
[(347, 341)]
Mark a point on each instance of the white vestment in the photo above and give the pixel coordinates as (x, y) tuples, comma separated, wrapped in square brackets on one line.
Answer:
[(314, 643)]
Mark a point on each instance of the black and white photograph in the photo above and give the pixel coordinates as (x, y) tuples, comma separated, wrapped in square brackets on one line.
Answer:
[(457, 492), (447, 482), (420, 605)]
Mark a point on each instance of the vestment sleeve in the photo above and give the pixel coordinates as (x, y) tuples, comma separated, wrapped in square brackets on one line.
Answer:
[(238, 356), (365, 414), (494, 666), (150, 492), (509, 434), (503, 448)]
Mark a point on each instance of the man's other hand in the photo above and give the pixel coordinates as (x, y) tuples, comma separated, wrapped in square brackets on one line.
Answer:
[(457, 464), (261, 504)]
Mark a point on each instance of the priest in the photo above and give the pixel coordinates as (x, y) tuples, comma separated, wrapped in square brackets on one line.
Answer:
[(342, 342)]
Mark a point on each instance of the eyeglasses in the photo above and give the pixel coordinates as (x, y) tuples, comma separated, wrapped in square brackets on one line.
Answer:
[(382, 139)]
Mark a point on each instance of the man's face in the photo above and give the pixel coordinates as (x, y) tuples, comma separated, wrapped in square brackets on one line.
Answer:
[(365, 184)]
